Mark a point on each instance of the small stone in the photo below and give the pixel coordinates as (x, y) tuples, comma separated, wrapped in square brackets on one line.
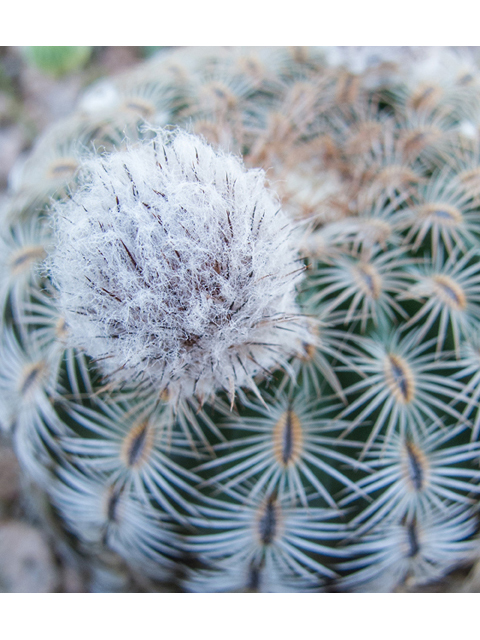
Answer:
[(116, 59), (9, 475), (26, 562), (72, 580)]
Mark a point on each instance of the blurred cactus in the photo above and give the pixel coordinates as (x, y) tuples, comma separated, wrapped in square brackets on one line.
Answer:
[(57, 61), (224, 389)]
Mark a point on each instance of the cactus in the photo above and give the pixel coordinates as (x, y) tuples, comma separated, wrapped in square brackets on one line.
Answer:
[(227, 383), (57, 61)]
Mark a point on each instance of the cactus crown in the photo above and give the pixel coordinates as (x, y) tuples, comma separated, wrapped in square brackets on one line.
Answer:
[(175, 266)]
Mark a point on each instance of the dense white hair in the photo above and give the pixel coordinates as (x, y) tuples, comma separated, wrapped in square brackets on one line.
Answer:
[(176, 266)]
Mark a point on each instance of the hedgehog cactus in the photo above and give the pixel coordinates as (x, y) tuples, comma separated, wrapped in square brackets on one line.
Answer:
[(226, 384)]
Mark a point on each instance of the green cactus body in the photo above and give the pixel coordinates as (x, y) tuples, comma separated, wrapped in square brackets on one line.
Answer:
[(224, 388), (57, 61)]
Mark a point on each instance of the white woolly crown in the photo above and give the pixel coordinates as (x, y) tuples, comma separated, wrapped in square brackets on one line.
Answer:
[(176, 266)]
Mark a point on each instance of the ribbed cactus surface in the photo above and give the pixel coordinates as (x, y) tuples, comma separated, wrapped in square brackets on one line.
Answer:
[(241, 322)]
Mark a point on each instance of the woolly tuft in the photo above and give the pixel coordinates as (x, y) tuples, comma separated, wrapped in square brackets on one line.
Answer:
[(175, 267)]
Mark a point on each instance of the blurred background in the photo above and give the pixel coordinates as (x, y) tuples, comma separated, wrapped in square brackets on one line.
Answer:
[(39, 85)]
